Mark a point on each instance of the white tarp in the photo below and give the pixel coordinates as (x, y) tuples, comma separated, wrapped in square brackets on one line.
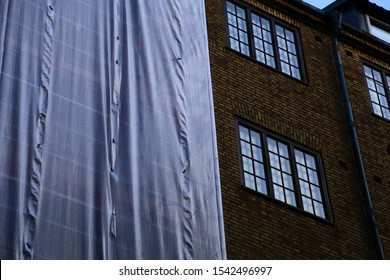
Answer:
[(108, 146)]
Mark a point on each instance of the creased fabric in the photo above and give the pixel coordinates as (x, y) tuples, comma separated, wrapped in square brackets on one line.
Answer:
[(107, 131)]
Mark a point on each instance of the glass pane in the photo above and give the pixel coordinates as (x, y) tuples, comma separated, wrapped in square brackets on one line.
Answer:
[(247, 164), (244, 49), (230, 7), (377, 76), (370, 84), (257, 154), (295, 72), (293, 60), (289, 35), (241, 24), (270, 61), (367, 71), (374, 96), (383, 101), (304, 188), (276, 177), (259, 169), (290, 198), (291, 47), (267, 36), (282, 43), (243, 37), (265, 24), (279, 195), (259, 44), (261, 186), (272, 146), (288, 183), (274, 161), (386, 113), (285, 68), (246, 149), (244, 133), (232, 20), (257, 32), (310, 161), (307, 205), (316, 193), (379, 88), (377, 109), (299, 157), (233, 32), (313, 177), (285, 165), (283, 150), (255, 137), (302, 172), (249, 181), (268, 49), (279, 31), (260, 56), (256, 19), (241, 12), (283, 55), (234, 44), (319, 209)]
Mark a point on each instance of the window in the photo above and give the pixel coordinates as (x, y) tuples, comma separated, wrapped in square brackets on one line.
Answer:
[(378, 84), (264, 39), (379, 29), (282, 170)]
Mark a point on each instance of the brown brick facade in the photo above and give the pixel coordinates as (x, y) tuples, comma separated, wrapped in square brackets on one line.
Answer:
[(310, 114)]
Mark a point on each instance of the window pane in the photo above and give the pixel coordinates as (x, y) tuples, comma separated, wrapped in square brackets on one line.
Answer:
[(307, 205), (268, 49), (291, 47), (313, 177), (272, 146), (255, 137), (233, 32), (267, 36), (265, 24), (279, 194), (241, 24), (283, 151), (261, 186), (243, 37), (249, 181), (241, 12), (290, 198), (285, 68), (299, 157), (279, 31), (310, 162), (259, 169), (234, 44), (270, 61), (316, 193), (289, 35), (230, 7), (260, 56), (304, 188), (274, 161), (232, 19), (374, 96), (288, 182), (256, 19), (246, 148), (368, 72), (319, 209), (244, 49), (257, 154), (247, 164), (276, 177), (285, 163), (244, 133)]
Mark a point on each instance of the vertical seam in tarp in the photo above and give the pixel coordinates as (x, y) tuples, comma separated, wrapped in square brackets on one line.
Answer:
[(186, 188), (33, 197), (114, 123), (3, 31)]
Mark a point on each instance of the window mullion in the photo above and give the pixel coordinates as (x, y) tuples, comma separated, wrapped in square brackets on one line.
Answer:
[(250, 34), (275, 44), (267, 166), (295, 176)]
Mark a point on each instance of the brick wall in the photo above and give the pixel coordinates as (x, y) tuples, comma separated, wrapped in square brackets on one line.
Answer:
[(310, 114)]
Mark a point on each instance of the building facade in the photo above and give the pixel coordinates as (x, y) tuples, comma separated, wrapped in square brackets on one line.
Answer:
[(299, 99)]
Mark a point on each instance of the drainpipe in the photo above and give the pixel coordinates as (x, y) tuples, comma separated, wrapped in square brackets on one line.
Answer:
[(336, 20)]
